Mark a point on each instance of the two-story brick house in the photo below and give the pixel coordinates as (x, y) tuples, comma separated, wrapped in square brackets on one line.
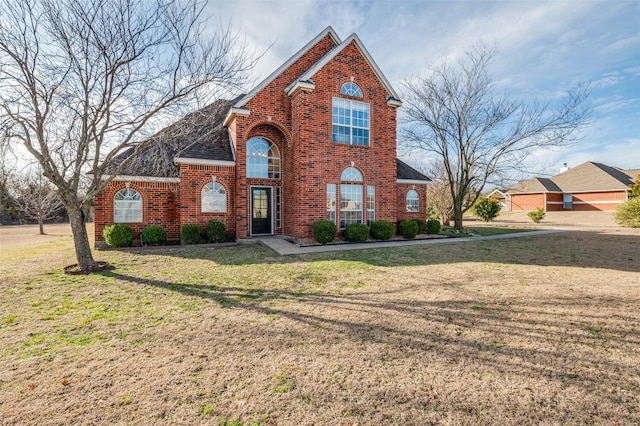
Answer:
[(314, 140)]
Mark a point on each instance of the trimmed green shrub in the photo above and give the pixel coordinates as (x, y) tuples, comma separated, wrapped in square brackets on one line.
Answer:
[(537, 215), (408, 228), (486, 208), (356, 232), (216, 231), (421, 225), (382, 229), (190, 233), (433, 226), (118, 235), (628, 214), (153, 235), (324, 231)]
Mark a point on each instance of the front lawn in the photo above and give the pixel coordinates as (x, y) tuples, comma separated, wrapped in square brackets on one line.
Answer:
[(531, 330)]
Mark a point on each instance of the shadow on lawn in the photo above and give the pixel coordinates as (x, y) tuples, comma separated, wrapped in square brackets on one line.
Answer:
[(567, 348), (615, 251)]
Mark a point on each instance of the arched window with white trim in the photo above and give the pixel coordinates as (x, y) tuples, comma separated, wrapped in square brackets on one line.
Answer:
[(351, 197), (127, 206), (263, 159), (213, 198), (413, 201), (351, 89)]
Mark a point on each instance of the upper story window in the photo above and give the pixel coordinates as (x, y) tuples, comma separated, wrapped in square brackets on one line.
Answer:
[(350, 122), (263, 159), (351, 89), (213, 198), (413, 201), (351, 174), (127, 206)]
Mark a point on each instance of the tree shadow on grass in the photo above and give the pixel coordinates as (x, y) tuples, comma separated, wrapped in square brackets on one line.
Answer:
[(453, 330)]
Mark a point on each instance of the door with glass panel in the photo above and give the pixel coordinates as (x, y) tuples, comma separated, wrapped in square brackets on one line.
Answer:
[(261, 211)]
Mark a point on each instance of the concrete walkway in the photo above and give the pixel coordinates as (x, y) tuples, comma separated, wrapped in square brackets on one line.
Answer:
[(284, 247)]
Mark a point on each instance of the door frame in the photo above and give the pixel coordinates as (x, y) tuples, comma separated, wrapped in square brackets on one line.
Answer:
[(271, 209)]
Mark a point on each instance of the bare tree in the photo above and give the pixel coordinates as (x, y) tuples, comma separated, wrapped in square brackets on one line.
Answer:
[(36, 198), (456, 113), (82, 81)]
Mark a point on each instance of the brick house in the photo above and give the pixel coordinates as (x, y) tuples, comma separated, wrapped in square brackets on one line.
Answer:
[(315, 140), (587, 187)]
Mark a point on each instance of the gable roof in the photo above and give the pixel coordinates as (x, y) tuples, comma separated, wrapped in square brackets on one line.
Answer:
[(264, 83), (587, 177), (353, 38), (199, 135), (408, 173)]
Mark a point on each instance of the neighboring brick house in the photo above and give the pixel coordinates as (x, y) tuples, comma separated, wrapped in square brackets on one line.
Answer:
[(589, 186), (315, 140)]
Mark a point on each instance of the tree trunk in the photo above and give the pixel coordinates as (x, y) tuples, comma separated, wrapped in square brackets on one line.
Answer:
[(41, 225), (86, 263), (457, 219)]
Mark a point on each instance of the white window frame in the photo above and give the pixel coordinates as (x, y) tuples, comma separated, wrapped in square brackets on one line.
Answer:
[(371, 204), (127, 206), (213, 198), (342, 117), (413, 201), (567, 201), (331, 202), (271, 169), (351, 207)]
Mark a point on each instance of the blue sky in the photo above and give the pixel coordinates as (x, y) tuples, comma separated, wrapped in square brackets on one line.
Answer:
[(546, 49)]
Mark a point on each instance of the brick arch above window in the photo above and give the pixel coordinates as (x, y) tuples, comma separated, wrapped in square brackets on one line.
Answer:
[(273, 130)]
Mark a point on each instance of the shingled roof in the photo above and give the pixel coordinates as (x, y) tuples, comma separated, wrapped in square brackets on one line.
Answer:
[(587, 177), (406, 172), (199, 135)]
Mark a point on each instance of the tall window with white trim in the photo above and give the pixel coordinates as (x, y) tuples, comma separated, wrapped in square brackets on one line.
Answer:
[(127, 206), (263, 159), (350, 118), (331, 202), (213, 198), (371, 204), (413, 201), (351, 197)]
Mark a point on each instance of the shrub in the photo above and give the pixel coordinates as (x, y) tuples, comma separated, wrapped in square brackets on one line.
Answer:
[(421, 225), (118, 235), (190, 233), (433, 226), (216, 231), (408, 228), (486, 208), (356, 232), (382, 229), (628, 214), (153, 235), (324, 231), (537, 215)]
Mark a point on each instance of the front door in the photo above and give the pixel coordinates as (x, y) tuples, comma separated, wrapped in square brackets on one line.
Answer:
[(260, 211)]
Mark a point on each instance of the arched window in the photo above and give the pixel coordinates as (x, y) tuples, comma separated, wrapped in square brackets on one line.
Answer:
[(213, 198), (351, 174), (263, 159), (351, 89), (351, 197), (413, 201), (127, 206)]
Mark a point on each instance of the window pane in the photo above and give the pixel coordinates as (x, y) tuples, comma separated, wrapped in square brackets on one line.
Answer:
[(350, 204), (352, 174), (214, 198), (350, 122), (263, 159), (371, 204), (413, 201), (127, 206), (331, 202), (351, 89)]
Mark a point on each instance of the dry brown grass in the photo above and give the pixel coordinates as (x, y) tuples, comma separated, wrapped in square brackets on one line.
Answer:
[(533, 330)]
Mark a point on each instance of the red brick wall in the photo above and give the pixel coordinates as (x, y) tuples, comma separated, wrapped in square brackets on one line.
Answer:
[(192, 178), (159, 207), (402, 212), (598, 201), (526, 202)]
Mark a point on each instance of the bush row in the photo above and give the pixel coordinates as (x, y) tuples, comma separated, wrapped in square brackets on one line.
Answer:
[(325, 231), (121, 235)]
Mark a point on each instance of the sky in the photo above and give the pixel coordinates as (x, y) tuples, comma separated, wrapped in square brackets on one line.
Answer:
[(546, 48)]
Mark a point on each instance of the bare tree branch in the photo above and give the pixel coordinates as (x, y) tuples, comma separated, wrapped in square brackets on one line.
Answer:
[(81, 82), (479, 135)]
